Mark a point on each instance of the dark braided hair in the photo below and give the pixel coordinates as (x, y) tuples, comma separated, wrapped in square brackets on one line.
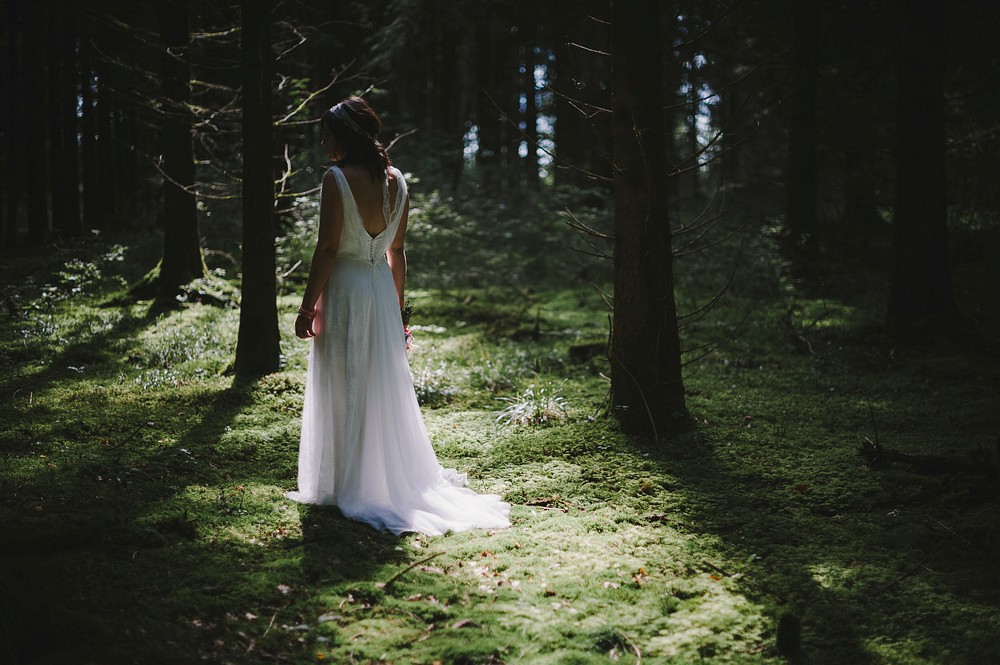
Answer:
[(355, 126)]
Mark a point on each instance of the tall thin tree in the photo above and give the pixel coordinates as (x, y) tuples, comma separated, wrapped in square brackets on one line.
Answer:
[(36, 164), (646, 386), (801, 176), (182, 258), (258, 349), (63, 146), (93, 212), (921, 284), (12, 171)]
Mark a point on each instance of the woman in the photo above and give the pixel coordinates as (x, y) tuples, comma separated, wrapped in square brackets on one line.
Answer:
[(363, 446)]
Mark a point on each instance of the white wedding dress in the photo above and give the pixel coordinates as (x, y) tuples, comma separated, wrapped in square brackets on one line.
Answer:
[(363, 446)]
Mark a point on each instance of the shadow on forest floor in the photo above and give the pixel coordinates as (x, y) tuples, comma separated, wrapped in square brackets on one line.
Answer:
[(144, 517)]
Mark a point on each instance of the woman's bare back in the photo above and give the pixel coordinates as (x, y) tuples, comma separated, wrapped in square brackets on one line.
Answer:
[(368, 196)]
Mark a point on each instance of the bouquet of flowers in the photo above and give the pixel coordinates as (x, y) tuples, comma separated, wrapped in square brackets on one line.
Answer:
[(406, 311)]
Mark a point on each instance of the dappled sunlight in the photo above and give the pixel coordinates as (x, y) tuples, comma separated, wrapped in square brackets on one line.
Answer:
[(126, 447)]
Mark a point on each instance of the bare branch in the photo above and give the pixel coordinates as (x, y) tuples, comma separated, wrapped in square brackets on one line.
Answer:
[(286, 173), (587, 48), (398, 137), (692, 250), (301, 40), (294, 195), (577, 103), (314, 95), (700, 312), (712, 346), (694, 39), (638, 387), (608, 299), (580, 226), (534, 142)]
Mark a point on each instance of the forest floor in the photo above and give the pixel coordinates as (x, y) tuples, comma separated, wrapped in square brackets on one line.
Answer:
[(143, 518)]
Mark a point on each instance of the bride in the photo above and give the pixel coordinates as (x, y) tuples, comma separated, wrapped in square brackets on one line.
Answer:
[(363, 446)]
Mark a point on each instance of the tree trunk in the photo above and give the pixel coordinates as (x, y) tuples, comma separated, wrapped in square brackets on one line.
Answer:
[(488, 153), (70, 124), (35, 130), (64, 183), (182, 258), (800, 180), (692, 158), (646, 385), (258, 349), (92, 213), (54, 91), (13, 161), (530, 110), (106, 190), (921, 285), (581, 132), (465, 67)]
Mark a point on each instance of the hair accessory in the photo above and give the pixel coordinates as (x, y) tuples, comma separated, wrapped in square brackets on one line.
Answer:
[(340, 113)]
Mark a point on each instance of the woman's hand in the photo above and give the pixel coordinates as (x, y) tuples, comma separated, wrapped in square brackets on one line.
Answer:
[(304, 324)]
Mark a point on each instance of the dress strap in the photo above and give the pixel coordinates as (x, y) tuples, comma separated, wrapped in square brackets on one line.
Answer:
[(386, 210)]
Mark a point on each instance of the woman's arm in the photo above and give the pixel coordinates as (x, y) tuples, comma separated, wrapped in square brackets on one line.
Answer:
[(331, 226), (397, 256)]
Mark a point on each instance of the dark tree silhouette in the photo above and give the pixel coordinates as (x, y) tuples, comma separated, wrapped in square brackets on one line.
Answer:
[(801, 176), (61, 76), (580, 75), (646, 386), (12, 144), (93, 216), (35, 129), (182, 258), (921, 282), (258, 349)]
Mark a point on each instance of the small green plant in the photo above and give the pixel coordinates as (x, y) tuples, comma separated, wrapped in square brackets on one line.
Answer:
[(534, 406), (498, 370), (432, 385)]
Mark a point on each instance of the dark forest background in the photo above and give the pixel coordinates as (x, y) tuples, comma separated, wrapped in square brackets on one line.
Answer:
[(806, 115), (786, 225)]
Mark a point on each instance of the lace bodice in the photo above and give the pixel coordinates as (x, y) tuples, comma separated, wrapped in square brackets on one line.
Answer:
[(356, 242)]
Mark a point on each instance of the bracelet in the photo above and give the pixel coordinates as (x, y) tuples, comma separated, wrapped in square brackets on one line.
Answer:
[(308, 313)]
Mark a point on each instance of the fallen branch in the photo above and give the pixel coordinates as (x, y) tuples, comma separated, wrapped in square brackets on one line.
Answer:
[(875, 455), (908, 573), (408, 569)]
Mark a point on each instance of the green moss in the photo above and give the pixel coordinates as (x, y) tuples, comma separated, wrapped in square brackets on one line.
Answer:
[(142, 492)]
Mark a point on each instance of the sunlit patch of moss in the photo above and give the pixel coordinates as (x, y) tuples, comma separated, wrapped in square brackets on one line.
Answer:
[(143, 485)]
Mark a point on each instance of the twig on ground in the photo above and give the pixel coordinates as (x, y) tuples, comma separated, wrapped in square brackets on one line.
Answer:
[(711, 565), (908, 573), (413, 565)]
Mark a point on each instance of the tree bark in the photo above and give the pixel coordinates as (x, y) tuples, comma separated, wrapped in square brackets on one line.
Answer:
[(36, 166), (12, 173), (92, 212), (582, 132), (64, 179), (488, 153), (71, 124), (801, 178), (106, 182), (182, 257), (921, 286), (691, 160), (646, 385), (258, 349)]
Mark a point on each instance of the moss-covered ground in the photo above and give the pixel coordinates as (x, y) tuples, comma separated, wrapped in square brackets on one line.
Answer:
[(143, 519)]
